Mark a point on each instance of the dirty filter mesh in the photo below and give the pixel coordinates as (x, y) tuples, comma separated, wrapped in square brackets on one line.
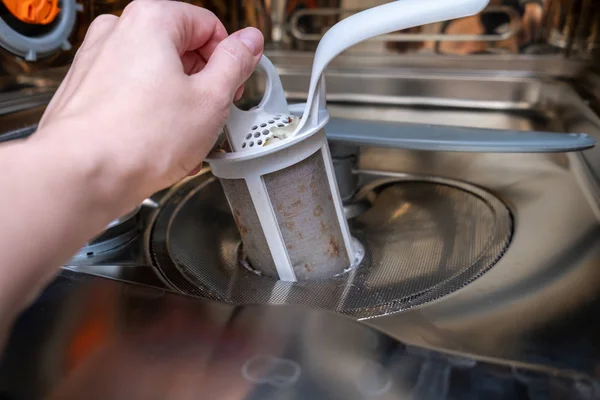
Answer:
[(423, 239), (301, 199)]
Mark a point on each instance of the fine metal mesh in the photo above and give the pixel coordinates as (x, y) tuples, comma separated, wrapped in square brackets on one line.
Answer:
[(423, 239)]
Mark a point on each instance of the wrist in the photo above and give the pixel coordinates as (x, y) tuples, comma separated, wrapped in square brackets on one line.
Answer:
[(60, 193), (96, 176)]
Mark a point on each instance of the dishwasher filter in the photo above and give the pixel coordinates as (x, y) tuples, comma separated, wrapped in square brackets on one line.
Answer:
[(283, 193)]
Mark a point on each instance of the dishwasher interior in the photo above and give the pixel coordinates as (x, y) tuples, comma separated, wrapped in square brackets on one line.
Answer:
[(495, 255), (491, 259)]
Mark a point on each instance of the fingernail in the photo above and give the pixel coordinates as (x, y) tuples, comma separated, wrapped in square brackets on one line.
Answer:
[(252, 39)]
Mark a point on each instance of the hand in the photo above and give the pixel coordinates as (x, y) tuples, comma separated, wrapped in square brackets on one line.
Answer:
[(152, 90), (140, 108)]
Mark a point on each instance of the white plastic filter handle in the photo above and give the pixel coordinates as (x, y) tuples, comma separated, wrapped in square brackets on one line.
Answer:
[(380, 20), (272, 103)]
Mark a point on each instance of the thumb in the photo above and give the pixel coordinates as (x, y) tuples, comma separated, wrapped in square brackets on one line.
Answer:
[(231, 64)]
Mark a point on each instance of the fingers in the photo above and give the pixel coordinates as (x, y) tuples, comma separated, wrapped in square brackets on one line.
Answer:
[(231, 64), (100, 27), (190, 28), (193, 62)]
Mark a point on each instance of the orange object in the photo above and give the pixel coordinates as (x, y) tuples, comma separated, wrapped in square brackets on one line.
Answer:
[(33, 11)]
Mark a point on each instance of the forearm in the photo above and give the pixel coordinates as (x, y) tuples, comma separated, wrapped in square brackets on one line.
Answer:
[(57, 193)]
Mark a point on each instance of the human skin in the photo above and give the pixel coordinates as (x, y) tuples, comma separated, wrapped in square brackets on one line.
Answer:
[(141, 106)]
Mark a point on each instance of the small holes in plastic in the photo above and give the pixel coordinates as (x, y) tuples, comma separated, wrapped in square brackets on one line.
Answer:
[(271, 121), (255, 127), (251, 144), (265, 132), (276, 118), (244, 145), (249, 136), (257, 134), (259, 142), (280, 125), (263, 125)]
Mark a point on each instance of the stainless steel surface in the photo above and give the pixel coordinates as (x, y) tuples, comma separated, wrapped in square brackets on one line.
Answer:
[(539, 303), (95, 339), (423, 237), (23, 99), (346, 179), (476, 66), (377, 82)]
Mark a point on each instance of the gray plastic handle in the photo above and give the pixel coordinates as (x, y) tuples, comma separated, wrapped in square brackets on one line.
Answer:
[(450, 138)]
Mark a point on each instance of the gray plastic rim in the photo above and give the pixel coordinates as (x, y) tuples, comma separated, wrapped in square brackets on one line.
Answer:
[(31, 48)]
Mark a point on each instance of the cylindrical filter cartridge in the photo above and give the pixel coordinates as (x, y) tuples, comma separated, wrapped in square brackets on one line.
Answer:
[(288, 210), (282, 189)]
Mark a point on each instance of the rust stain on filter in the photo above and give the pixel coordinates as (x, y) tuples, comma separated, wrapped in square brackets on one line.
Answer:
[(323, 227), (334, 247), (242, 228), (318, 211)]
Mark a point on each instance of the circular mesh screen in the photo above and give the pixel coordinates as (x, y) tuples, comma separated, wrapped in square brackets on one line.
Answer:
[(424, 238)]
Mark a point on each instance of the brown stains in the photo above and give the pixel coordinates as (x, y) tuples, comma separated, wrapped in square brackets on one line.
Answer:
[(302, 188), (313, 187), (329, 196), (280, 207), (318, 211), (307, 268), (334, 247), (292, 209), (323, 227), (242, 228), (290, 225), (300, 235)]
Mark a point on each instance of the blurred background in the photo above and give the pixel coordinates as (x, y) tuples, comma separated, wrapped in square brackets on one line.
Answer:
[(569, 28), (559, 38)]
